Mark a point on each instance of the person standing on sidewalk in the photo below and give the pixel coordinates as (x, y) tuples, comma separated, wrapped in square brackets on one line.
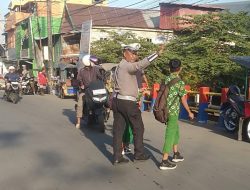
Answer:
[(172, 134), (42, 81), (125, 102)]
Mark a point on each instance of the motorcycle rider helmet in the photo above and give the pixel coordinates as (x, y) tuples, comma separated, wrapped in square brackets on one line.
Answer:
[(90, 60), (11, 68)]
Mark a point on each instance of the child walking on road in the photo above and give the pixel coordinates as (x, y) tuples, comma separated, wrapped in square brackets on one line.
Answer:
[(172, 134)]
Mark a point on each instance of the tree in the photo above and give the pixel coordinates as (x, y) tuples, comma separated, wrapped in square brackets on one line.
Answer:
[(110, 50), (206, 46)]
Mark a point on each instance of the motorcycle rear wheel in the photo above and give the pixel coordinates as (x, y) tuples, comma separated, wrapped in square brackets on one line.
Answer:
[(14, 97), (230, 119)]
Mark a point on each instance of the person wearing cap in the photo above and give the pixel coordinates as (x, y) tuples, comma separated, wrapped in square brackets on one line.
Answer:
[(176, 95), (12, 76), (125, 102), (90, 72)]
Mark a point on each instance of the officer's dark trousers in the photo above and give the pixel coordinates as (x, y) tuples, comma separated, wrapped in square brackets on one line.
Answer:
[(125, 110)]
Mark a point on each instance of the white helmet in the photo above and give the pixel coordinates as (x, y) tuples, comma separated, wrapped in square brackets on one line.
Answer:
[(11, 68), (86, 61)]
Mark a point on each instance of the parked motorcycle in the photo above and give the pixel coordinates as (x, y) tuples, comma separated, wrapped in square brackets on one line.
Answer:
[(12, 94), (233, 110), (26, 85), (96, 98)]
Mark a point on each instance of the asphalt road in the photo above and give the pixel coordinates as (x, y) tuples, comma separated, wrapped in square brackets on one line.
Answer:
[(41, 150)]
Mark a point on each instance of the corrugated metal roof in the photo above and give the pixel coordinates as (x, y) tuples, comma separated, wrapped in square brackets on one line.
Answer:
[(236, 7), (205, 7), (109, 16)]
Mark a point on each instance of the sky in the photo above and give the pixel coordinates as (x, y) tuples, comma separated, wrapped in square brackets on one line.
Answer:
[(119, 3), (4, 3)]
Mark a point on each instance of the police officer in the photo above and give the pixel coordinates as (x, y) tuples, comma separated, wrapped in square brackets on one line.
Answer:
[(124, 103)]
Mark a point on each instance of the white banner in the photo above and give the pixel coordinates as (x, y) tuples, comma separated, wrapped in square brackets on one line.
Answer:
[(85, 37)]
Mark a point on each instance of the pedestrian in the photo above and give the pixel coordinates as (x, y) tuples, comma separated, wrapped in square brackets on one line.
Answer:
[(42, 81), (124, 104), (177, 92), (127, 139)]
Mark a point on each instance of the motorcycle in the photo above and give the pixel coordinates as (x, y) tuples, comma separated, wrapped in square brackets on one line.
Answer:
[(96, 99), (26, 85), (232, 109), (12, 95), (234, 114)]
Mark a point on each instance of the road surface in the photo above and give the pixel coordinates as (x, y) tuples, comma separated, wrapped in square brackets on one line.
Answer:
[(41, 150)]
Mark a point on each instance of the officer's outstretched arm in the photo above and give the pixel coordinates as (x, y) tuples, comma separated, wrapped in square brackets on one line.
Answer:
[(140, 65)]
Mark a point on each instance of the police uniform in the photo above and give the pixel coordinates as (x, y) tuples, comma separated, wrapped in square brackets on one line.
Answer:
[(125, 107)]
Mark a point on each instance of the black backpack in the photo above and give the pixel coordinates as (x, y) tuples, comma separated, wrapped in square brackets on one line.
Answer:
[(160, 109)]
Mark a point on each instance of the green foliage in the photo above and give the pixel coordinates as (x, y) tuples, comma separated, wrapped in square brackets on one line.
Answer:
[(110, 51), (206, 46), (204, 49)]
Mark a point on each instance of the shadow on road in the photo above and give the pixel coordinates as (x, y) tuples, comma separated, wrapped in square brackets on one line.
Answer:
[(102, 141), (8, 139), (70, 114), (213, 127)]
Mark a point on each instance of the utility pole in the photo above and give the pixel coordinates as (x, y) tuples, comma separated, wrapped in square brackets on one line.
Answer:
[(50, 46), (39, 33)]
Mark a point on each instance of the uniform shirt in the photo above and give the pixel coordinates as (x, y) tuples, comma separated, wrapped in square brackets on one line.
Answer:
[(176, 90), (125, 76)]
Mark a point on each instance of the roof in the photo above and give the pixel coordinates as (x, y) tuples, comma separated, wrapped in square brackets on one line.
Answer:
[(236, 7), (242, 60), (192, 6), (109, 16)]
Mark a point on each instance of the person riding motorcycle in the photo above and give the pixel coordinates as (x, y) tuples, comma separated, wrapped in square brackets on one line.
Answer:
[(28, 75), (12, 76), (89, 73)]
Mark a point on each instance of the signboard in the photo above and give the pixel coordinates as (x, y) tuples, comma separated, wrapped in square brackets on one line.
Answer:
[(85, 41), (46, 53), (85, 37)]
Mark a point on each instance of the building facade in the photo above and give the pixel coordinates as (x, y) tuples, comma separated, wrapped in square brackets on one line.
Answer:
[(142, 23), (26, 30), (170, 13)]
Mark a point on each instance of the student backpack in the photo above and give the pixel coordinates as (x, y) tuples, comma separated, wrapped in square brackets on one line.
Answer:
[(160, 109)]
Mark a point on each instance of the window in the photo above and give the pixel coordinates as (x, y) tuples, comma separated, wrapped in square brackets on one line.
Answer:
[(103, 39), (149, 40)]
